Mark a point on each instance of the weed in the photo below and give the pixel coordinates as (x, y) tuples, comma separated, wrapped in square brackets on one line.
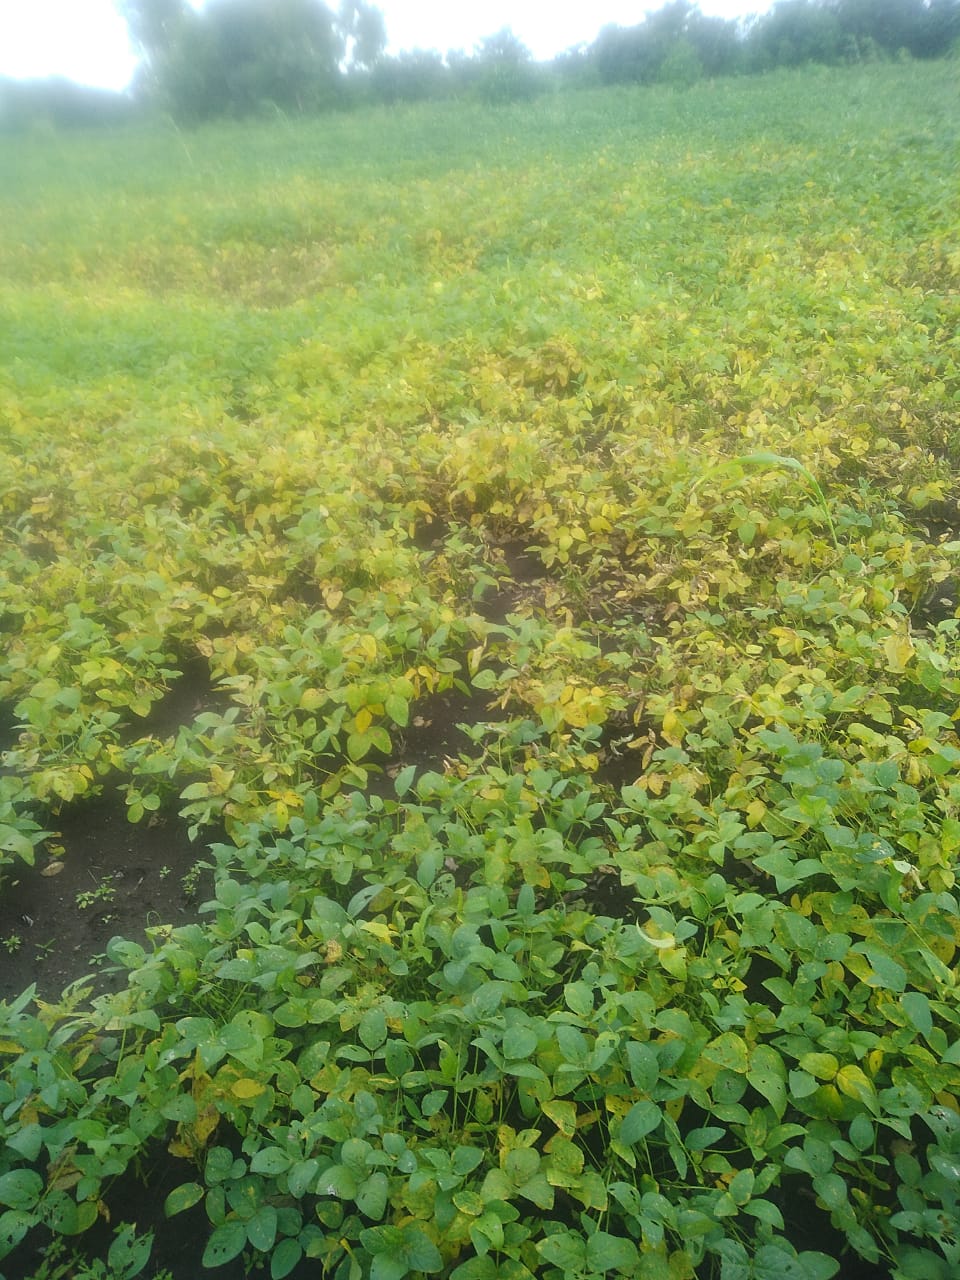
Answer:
[(105, 891)]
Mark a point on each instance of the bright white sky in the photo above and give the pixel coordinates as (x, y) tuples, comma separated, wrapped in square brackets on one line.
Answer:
[(86, 40)]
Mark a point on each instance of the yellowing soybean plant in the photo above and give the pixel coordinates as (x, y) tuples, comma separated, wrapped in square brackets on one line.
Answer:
[(520, 547)]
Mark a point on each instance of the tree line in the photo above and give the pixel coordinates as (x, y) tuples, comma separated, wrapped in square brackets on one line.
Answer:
[(239, 57)]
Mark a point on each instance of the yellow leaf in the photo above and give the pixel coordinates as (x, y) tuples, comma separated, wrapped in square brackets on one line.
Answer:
[(942, 948), (673, 728), (363, 720), (563, 1114), (827, 1099), (379, 930), (367, 645), (662, 944), (246, 1088), (756, 810), (852, 1081), (536, 875), (898, 650)]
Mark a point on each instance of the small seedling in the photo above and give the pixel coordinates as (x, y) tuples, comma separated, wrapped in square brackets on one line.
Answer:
[(191, 881), (105, 891)]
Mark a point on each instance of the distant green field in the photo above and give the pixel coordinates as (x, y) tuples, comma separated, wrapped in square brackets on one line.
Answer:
[(621, 429)]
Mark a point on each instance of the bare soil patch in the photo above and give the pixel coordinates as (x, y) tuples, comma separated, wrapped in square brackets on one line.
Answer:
[(116, 879)]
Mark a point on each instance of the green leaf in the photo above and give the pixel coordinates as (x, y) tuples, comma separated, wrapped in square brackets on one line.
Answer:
[(818, 1266), (497, 1186), (372, 1195), (262, 1228), (776, 1262), (404, 780), (420, 1251), (735, 1262), (301, 1175), (889, 973), (642, 1118), (579, 997), (862, 1133), (358, 745), (337, 1181), (832, 1190), (225, 1243), (271, 1161), (565, 1250), (573, 1045), (387, 1266), (129, 1253), (284, 1258), (728, 1051), (917, 1008), (466, 1159), (741, 1186), (768, 1075), (14, 1225), (766, 1212), (519, 1043), (946, 1164), (28, 1140), (432, 1103), (702, 1138), (20, 1189), (398, 709), (372, 1029), (476, 1269), (219, 1164), (606, 1252), (538, 1190), (14, 841)]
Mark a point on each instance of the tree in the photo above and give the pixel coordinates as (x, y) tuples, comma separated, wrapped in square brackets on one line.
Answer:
[(505, 68), (925, 29), (61, 104), (795, 32), (156, 29), (236, 55), (640, 53), (411, 77), (153, 25), (717, 42), (364, 31), (624, 54)]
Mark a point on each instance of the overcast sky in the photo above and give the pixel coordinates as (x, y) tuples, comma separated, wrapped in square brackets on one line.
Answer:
[(86, 40)]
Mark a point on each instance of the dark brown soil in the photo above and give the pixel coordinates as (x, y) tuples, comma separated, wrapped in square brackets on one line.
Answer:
[(116, 879), (521, 581), (99, 876), (187, 697)]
